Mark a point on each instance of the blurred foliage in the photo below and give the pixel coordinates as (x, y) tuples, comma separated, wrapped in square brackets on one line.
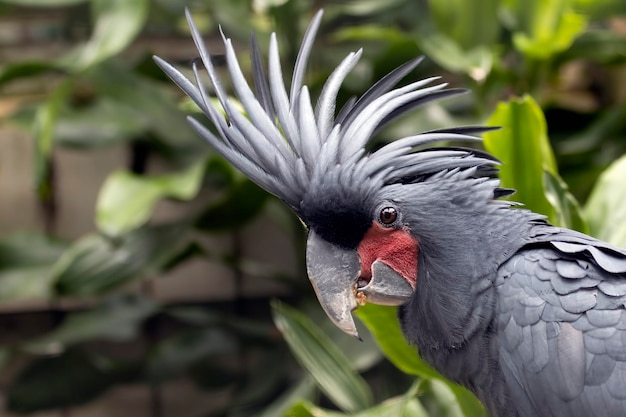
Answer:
[(551, 72)]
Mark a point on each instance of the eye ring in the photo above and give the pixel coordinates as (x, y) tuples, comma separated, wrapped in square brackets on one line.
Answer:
[(388, 216)]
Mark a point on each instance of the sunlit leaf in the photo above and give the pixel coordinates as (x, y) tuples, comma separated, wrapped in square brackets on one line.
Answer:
[(117, 22), (606, 208), (126, 200), (383, 323), (523, 147), (544, 27), (476, 62), (403, 406), (324, 361)]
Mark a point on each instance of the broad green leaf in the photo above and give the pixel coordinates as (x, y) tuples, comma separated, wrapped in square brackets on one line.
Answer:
[(523, 147), (116, 122), (29, 249), (544, 27), (440, 400), (27, 282), (475, 62), (324, 361), (469, 23), (117, 22), (117, 319), (126, 200), (96, 264), (403, 406), (149, 102), (382, 322), (25, 265), (606, 208)]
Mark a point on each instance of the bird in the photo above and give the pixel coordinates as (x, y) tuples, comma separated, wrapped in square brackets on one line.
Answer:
[(528, 316)]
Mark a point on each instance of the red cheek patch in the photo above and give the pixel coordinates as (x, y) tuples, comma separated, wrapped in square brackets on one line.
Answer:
[(394, 247)]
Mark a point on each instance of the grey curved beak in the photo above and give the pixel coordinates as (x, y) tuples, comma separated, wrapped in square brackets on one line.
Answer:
[(334, 273)]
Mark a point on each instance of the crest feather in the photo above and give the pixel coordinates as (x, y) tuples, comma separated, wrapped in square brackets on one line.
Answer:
[(286, 145)]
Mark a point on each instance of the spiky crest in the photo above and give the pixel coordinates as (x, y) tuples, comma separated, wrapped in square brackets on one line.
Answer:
[(291, 148)]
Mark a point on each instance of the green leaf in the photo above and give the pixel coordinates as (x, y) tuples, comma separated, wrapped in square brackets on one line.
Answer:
[(150, 103), (43, 130), (117, 22), (598, 45), (567, 210), (458, 20), (61, 381), (545, 27), (174, 355), (324, 361), (96, 264), (25, 265), (126, 200), (243, 202), (523, 147), (476, 62), (600, 9), (25, 69), (29, 249), (117, 319), (403, 406), (606, 207), (382, 322), (27, 282), (116, 122), (294, 396), (44, 3)]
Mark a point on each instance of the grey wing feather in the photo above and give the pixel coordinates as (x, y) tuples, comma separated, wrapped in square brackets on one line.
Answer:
[(562, 328)]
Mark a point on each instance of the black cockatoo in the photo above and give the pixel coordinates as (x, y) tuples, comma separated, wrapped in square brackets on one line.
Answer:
[(530, 317)]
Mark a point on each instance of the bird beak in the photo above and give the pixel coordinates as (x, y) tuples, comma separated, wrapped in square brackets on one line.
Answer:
[(334, 273)]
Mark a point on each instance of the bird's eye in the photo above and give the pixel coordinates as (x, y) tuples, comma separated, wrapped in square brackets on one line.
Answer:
[(388, 215)]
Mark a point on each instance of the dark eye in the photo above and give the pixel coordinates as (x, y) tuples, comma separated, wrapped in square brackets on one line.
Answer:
[(388, 215)]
